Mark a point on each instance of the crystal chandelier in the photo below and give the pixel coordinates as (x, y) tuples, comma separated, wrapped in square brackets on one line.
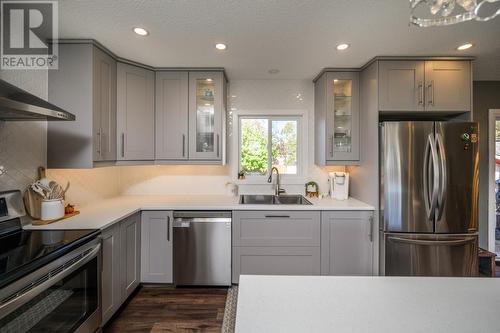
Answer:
[(447, 12)]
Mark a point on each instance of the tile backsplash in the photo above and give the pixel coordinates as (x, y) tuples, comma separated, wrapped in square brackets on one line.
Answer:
[(23, 145)]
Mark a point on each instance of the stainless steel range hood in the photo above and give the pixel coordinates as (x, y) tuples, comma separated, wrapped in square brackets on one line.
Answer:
[(17, 104)]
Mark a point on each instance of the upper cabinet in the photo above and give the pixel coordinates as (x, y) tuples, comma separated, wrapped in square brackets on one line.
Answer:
[(448, 86), (85, 85), (128, 113), (337, 118), (135, 113), (206, 115), (432, 85), (172, 116), (190, 117)]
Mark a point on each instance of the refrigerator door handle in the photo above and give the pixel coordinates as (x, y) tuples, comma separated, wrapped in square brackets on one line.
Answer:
[(442, 176), (455, 242), (430, 199)]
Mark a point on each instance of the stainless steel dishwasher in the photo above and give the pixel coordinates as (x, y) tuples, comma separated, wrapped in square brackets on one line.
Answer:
[(202, 248)]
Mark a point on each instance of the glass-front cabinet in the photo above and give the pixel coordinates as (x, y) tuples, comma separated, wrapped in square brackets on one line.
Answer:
[(206, 111), (337, 109)]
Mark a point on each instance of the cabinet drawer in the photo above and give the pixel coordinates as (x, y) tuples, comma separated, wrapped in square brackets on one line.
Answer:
[(275, 261), (276, 228)]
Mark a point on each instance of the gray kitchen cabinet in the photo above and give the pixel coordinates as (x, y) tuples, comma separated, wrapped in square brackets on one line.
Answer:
[(336, 114), (425, 85), (401, 85), (448, 85), (111, 297), (172, 116), (156, 247), (135, 113), (130, 236), (275, 261), (120, 263), (347, 243), (276, 242), (104, 112), (276, 228), (85, 85), (206, 115)]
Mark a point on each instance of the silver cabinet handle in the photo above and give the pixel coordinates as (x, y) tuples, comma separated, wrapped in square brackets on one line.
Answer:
[(331, 147), (123, 144), (420, 93), (370, 233), (277, 216), (443, 175), (99, 141), (183, 145), (218, 145), (430, 87), (168, 228)]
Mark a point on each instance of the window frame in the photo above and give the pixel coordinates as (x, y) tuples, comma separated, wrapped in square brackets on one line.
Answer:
[(283, 117)]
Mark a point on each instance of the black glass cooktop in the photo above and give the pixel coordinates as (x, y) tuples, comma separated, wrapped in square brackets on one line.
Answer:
[(23, 251)]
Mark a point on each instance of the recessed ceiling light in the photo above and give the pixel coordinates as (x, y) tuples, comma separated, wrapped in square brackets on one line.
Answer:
[(335, 80), (209, 80), (465, 46), (220, 46), (141, 31), (273, 71), (342, 47)]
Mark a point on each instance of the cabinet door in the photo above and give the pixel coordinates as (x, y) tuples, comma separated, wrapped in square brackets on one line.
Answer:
[(276, 228), (130, 252), (172, 115), (401, 85), (156, 247), (205, 115), (135, 113), (104, 100), (346, 243), (342, 116), (448, 86), (110, 291), (275, 261)]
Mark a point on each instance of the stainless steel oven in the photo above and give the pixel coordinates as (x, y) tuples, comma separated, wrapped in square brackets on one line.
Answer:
[(61, 296)]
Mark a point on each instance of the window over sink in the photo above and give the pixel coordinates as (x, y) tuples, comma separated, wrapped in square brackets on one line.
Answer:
[(269, 141)]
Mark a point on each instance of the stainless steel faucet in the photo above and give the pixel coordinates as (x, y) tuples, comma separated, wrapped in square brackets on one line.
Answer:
[(277, 190)]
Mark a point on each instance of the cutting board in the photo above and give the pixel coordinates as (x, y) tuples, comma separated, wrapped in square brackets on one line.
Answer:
[(44, 222)]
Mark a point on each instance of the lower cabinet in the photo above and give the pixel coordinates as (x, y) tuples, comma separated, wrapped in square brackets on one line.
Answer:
[(121, 263), (276, 243), (347, 243), (156, 249), (110, 290)]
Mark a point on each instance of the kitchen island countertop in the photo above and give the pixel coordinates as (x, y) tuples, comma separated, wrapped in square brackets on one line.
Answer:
[(107, 212), (367, 304)]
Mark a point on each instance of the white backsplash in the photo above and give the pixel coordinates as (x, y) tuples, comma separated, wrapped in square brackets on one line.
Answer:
[(88, 186), (23, 143)]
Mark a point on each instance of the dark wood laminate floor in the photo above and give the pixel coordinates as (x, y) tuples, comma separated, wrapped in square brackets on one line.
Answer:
[(165, 309)]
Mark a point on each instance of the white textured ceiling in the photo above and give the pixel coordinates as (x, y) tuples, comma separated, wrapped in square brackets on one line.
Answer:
[(298, 37)]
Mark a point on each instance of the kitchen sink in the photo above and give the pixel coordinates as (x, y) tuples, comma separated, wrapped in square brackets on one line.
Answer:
[(264, 199)]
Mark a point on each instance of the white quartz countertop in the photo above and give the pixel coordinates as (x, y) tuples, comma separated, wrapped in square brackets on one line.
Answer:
[(367, 304), (109, 211)]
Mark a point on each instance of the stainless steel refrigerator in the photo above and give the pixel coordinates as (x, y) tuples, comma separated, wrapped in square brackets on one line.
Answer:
[(429, 178)]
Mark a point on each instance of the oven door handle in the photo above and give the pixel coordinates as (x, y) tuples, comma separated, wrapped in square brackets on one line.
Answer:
[(22, 298)]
